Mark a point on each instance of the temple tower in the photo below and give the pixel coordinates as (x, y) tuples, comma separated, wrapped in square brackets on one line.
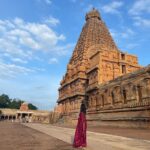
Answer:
[(95, 60)]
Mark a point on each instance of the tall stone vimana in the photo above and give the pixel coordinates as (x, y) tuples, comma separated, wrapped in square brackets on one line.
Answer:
[(115, 88)]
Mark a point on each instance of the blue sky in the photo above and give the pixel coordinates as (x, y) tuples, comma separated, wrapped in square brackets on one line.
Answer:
[(37, 38)]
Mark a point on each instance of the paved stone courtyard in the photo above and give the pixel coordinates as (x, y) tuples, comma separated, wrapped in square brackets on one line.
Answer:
[(32, 136), (136, 133), (14, 136), (96, 141)]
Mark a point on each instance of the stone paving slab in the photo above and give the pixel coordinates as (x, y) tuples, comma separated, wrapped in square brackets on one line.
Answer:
[(96, 141), (15, 136)]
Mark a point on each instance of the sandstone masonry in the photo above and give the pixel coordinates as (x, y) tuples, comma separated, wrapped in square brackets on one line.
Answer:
[(112, 83)]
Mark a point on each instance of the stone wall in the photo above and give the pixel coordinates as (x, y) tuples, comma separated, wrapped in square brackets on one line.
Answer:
[(125, 100)]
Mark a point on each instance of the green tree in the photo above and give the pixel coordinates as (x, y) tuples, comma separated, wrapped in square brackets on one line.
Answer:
[(32, 107), (4, 101), (15, 103)]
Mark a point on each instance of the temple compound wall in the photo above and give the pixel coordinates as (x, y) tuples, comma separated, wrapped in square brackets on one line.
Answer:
[(112, 84), (124, 101)]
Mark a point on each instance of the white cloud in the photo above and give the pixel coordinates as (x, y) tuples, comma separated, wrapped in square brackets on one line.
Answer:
[(22, 42), (52, 21), (20, 39), (113, 7), (44, 35), (63, 50), (53, 61), (132, 45), (7, 56), (18, 21), (2, 28), (142, 22), (40, 69), (138, 13), (139, 7), (18, 60), (12, 70), (125, 38), (48, 2), (11, 47), (126, 33)]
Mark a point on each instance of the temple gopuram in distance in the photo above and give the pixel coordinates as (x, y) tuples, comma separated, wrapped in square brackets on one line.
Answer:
[(115, 88)]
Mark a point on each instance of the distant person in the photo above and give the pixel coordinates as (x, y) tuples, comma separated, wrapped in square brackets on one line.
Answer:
[(80, 133)]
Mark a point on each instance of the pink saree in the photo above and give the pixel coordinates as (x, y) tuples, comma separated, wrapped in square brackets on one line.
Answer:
[(80, 133)]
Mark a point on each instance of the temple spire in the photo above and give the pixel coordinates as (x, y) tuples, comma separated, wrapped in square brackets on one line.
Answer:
[(93, 14), (94, 33)]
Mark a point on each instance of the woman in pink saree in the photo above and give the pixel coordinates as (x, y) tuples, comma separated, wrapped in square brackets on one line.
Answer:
[(80, 133)]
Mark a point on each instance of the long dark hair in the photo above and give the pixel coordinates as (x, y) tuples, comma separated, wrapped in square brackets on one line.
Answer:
[(83, 107)]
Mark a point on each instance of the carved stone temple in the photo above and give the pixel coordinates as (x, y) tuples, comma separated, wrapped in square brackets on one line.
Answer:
[(114, 86)]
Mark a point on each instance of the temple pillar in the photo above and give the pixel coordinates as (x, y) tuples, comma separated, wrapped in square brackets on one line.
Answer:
[(139, 92)]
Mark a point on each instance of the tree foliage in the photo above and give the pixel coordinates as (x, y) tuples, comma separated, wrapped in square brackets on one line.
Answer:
[(15, 103), (32, 107), (6, 102)]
